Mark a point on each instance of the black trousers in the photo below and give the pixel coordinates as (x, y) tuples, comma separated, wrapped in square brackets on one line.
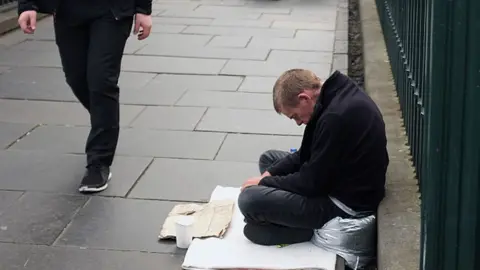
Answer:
[(91, 53), (275, 216)]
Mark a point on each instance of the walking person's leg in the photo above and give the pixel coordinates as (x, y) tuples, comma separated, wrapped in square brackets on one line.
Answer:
[(73, 42), (108, 37)]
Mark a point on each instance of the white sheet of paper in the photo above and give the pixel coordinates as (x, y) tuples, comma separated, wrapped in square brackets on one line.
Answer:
[(234, 251)]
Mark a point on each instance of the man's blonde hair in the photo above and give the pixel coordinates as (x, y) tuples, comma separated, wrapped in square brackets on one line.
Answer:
[(290, 84)]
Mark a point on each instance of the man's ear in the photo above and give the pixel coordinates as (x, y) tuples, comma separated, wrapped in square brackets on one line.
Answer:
[(303, 96)]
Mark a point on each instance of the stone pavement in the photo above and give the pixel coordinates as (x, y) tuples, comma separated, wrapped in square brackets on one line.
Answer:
[(196, 112)]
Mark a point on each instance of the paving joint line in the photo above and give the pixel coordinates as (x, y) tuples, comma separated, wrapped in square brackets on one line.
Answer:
[(220, 147), (72, 218), (139, 178), (34, 245), (22, 136), (200, 120)]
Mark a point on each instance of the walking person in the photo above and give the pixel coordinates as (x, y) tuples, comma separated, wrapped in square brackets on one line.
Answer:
[(91, 37)]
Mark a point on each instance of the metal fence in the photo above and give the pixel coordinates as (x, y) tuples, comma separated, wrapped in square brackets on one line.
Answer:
[(434, 52), (6, 5)]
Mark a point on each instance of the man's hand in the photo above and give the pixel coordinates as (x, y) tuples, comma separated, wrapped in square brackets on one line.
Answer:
[(28, 21), (252, 182), (143, 25)]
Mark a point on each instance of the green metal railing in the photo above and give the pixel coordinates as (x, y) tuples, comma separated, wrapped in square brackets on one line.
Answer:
[(6, 5), (434, 52), (405, 27)]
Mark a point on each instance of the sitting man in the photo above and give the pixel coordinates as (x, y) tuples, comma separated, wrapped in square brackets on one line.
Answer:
[(339, 168)]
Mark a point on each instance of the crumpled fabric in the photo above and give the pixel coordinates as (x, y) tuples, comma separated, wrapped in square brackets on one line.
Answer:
[(353, 239)]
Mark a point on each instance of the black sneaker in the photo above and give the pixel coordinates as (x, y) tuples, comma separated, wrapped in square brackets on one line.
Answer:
[(95, 179)]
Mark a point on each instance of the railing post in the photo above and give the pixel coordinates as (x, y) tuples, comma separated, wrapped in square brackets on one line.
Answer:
[(450, 203)]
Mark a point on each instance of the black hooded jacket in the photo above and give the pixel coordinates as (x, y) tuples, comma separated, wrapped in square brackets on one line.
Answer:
[(343, 152), (119, 8)]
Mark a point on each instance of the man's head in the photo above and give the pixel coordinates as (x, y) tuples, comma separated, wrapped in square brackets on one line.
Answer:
[(295, 94)]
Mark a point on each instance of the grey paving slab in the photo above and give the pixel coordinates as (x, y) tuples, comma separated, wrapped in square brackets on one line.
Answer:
[(157, 12), (239, 31), (258, 84), (181, 21), (132, 142), (187, 50), (341, 46), (340, 61), (342, 20), (14, 37), (29, 59), (174, 6), (220, 9), (341, 35), (170, 118), (294, 4), (163, 39), (308, 41), (8, 198), (134, 80), (173, 144), (133, 45), (36, 83), (119, 224), (330, 25), (227, 100), (190, 180), (44, 31), (56, 113), (232, 3), (36, 46), (241, 23), (61, 173), (170, 29), (327, 7), (198, 82), (4, 69), (300, 57), (271, 68), (152, 94), (229, 41), (52, 140), (247, 121), (249, 147), (178, 65), (30, 257), (209, 15), (38, 218), (320, 16), (10, 132)]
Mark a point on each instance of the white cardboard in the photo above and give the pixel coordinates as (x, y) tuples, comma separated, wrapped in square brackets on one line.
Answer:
[(234, 251)]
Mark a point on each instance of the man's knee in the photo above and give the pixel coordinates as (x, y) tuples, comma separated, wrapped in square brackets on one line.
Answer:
[(267, 157), (77, 80), (248, 200), (102, 81)]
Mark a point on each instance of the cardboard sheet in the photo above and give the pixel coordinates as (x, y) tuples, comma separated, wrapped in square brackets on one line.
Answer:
[(234, 251), (211, 219)]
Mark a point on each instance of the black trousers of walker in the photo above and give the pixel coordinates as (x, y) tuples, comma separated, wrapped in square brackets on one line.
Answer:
[(91, 53), (274, 216)]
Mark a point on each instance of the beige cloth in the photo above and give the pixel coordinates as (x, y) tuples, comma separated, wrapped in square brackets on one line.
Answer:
[(211, 219)]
